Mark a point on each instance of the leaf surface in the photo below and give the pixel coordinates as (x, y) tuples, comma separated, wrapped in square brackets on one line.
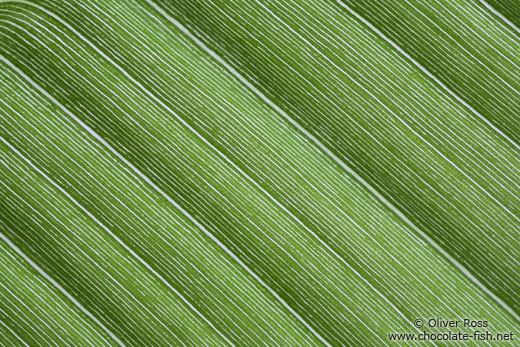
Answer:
[(284, 177)]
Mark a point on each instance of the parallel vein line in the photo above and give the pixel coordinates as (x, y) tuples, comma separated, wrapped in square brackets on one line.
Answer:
[(433, 147), (52, 281), (500, 15), (170, 200), (11, 330), (254, 182), (115, 237), (265, 192), (259, 188), (336, 159), (427, 73)]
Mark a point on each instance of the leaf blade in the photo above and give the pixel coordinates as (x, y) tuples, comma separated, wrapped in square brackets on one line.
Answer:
[(231, 179)]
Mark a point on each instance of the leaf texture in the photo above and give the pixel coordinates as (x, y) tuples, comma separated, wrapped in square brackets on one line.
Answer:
[(508, 10), (393, 126), (256, 173)]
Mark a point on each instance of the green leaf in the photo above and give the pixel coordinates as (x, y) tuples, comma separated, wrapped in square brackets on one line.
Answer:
[(507, 10), (257, 172)]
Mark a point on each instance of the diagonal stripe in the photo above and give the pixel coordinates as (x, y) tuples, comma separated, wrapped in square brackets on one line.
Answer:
[(56, 284)]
